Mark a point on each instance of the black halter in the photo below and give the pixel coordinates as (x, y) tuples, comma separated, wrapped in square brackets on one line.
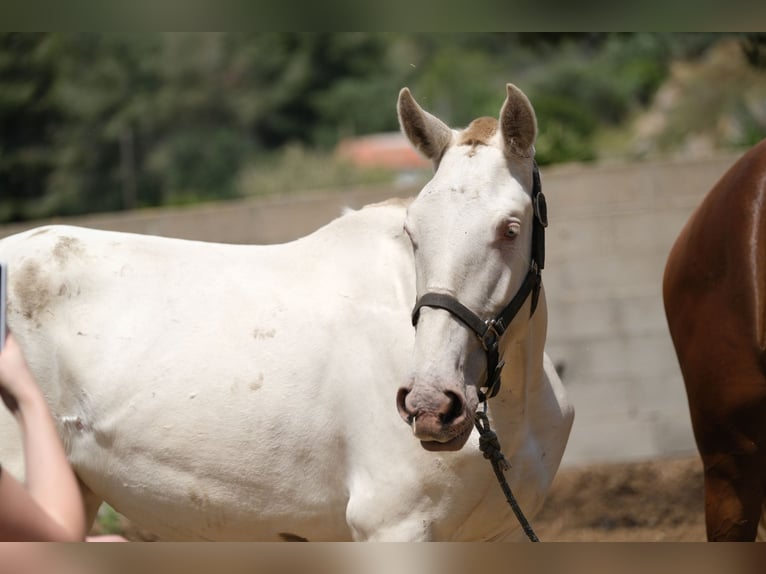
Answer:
[(489, 331)]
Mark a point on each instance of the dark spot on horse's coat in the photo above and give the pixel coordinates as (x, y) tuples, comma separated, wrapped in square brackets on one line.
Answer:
[(289, 537), (257, 383), (264, 333), (32, 292), (104, 438), (67, 247), (75, 422), (40, 232)]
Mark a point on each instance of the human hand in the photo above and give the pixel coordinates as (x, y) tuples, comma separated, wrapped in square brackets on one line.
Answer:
[(16, 380)]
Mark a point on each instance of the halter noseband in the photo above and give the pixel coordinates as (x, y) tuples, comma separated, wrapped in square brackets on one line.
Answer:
[(491, 330)]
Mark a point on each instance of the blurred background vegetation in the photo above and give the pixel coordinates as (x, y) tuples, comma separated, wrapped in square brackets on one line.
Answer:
[(101, 122)]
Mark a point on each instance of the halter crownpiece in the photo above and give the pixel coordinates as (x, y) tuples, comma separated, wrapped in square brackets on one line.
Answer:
[(490, 331)]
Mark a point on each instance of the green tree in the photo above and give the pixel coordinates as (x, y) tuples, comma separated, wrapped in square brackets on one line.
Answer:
[(105, 86), (29, 116), (167, 118), (94, 122)]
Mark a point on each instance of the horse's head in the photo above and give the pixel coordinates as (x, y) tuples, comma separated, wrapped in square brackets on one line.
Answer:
[(471, 229)]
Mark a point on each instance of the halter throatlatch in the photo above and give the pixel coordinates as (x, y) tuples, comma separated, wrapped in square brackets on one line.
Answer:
[(490, 331)]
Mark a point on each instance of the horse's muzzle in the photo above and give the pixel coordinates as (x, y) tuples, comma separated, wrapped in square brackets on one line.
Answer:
[(438, 418)]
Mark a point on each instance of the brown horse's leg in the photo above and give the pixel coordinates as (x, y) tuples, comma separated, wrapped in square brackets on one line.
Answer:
[(733, 496), (726, 387)]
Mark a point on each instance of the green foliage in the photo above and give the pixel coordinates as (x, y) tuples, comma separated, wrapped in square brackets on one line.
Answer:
[(148, 119), (754, 47), (712, 104), (95, 122), (109, 521), (29, 116), (588, 88), (457, 80), (568, 129), (189, 172)]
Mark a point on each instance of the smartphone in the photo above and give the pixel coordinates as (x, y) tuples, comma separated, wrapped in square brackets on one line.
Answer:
[(3, 297)]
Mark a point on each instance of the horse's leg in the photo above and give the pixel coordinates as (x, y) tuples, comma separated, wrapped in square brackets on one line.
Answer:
[(731, 437), (369, 520), (733, 496), (414, 530), (726, 388)]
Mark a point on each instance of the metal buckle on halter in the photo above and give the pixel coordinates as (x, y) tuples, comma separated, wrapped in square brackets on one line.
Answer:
[(491, 337)]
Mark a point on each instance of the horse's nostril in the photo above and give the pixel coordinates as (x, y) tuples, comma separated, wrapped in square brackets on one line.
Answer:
[(454, 409), (401, 405)]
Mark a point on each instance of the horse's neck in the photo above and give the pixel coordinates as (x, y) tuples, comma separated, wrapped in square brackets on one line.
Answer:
[(522, 374)]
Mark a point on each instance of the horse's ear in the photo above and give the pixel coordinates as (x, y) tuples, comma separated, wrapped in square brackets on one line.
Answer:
[(427, 133), (518, 123)]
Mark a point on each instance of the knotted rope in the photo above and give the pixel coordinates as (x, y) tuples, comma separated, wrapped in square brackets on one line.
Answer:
[(490, 448)]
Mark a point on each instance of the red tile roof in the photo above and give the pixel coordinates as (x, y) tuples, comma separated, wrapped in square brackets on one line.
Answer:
[(389, 150)]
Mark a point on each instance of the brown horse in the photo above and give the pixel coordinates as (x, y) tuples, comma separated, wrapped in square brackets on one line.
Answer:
[(714, 290)]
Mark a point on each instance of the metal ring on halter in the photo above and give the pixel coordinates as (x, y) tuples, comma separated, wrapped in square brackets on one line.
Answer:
[(486, 342)]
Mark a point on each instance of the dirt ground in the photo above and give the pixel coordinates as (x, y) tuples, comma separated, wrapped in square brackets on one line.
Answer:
[(658, 500)]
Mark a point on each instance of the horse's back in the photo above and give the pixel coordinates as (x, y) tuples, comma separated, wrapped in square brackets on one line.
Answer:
[(60, 275)]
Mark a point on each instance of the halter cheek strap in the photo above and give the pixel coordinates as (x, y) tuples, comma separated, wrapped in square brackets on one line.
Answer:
[(490, 331)]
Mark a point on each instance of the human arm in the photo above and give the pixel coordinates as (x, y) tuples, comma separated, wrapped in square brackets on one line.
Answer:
[(49, 505)]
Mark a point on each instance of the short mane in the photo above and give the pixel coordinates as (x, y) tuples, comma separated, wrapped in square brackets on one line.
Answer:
[(479, 132), (393, 201)]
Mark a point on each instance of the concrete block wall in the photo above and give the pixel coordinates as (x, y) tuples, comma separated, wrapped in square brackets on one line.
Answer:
[(259, 220), (611, 228)]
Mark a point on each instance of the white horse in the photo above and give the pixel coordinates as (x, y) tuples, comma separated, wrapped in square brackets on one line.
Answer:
[(231, 392)]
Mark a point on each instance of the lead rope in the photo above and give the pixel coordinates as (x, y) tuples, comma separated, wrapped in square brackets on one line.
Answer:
[(489, 445)]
